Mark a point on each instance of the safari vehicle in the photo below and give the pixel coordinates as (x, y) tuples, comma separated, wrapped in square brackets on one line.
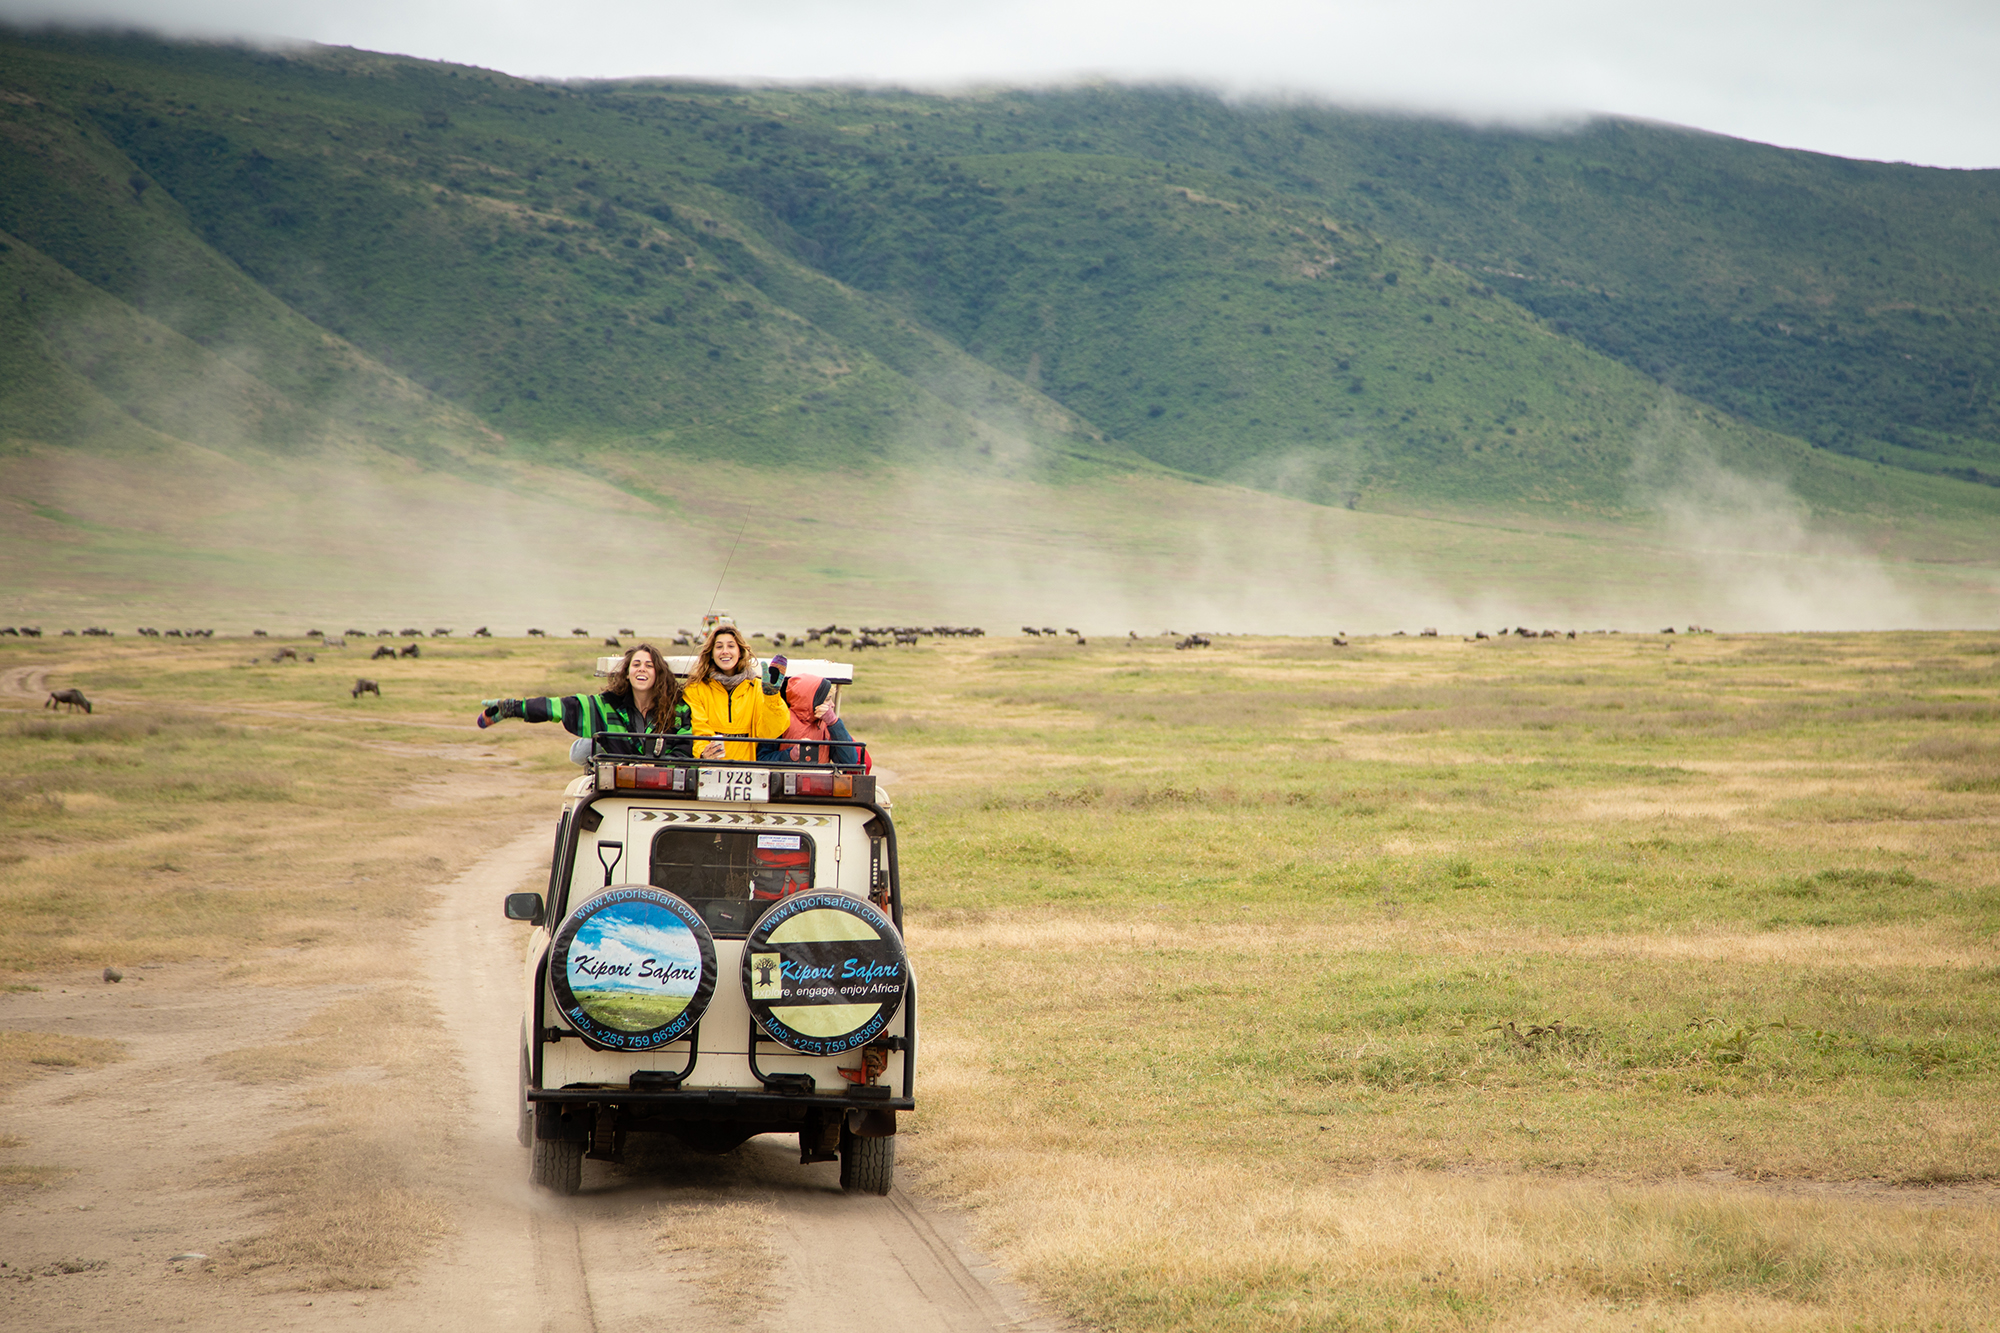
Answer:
[(718, 955)]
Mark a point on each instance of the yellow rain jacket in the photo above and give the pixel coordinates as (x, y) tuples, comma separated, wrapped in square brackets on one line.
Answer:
[(744, 711)]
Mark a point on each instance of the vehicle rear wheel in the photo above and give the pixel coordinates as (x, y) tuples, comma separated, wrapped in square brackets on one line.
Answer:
[(867, 1166), (557, 1165)]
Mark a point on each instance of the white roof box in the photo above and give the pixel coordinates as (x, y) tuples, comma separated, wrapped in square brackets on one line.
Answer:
[(840, 673)]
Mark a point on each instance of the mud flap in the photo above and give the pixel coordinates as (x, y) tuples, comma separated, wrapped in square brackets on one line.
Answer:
[(873, 1124)]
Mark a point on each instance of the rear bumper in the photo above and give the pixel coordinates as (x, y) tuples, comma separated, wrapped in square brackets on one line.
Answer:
[(715, 1103)]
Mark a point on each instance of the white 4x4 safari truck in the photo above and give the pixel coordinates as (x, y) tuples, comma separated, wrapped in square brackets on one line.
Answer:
[(719, 954)]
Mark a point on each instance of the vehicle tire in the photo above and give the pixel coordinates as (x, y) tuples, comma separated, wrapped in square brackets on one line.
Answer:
[(557, 1165), (524, 1130), (867, 1166)]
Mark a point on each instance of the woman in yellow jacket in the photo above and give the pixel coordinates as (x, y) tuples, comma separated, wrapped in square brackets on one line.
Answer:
[(728, 697)]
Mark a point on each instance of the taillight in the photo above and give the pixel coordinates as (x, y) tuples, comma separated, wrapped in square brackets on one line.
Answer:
[(819, 784), (648, 777)]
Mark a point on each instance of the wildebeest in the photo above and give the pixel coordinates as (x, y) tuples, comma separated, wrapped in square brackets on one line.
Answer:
[(363, 685), (259, 634), (440, 634), (333, 641), (581, 633), (613, 643), (409, 633), (284, 653), (71, 699), (315, 634), (482, 633), (1194, 641), (538, 634), (410, 650), (382, 650), (628, 633), (1031, 630)]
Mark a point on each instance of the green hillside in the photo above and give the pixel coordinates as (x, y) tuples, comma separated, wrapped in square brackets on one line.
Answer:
[(299, 250)]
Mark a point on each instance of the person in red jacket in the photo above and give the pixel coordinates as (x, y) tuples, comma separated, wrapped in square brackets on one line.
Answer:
[(814, 717), (729, 695)]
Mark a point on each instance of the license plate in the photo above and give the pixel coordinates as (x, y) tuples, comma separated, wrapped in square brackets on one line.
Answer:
[(734, 784)]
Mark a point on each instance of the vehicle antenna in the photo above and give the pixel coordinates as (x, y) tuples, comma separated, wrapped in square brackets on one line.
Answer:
[(726, 563)]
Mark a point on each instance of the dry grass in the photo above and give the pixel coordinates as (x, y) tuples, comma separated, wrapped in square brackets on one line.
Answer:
[(355, 1196), (253, 814), (24, 1055), (725, 1245), (1214, 1246)]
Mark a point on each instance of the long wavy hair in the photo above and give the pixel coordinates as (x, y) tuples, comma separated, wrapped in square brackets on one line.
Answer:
[(666, 690), (704, 662)]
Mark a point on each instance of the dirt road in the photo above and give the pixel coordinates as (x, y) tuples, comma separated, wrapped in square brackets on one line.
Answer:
[(751, 1240)]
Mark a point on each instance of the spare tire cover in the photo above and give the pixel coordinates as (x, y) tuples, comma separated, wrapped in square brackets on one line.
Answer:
[(824, 972), (633, 968)]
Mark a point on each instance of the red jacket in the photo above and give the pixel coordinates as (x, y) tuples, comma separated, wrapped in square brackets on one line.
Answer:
[(800, 692)]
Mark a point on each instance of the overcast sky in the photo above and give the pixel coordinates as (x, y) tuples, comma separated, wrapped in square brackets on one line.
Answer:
[(1912, 81)]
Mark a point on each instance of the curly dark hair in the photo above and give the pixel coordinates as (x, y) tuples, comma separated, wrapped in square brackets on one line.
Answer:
[(666, 690)]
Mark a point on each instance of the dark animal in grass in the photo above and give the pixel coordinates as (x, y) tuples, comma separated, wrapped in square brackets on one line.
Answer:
[(581, 633), (113, 974), (628, 633), (284, 653), (363, 685), (440, 634), (382, 650), (410, 650), (538, 634), (613, 643), (259, 634), (70, 699), (482, 633)]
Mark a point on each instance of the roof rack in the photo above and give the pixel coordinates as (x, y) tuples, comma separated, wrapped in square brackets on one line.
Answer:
[(643, 747)]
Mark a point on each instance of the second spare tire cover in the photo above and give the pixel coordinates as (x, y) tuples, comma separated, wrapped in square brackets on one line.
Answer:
[(633, 968), (824, 972)]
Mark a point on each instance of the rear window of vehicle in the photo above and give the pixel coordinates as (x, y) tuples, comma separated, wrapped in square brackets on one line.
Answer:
[(731, 875)]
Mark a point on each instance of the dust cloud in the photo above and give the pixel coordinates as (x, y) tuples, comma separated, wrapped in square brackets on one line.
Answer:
[(1755, 557)]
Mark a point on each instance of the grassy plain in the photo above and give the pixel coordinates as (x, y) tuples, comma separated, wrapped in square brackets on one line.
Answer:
[(1415, 984), (1431, 984)]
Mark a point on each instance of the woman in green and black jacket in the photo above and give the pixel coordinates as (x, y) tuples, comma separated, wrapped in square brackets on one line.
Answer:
[(640, 697)]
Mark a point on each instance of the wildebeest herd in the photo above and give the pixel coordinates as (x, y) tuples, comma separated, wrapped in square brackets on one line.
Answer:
[(829, 636)]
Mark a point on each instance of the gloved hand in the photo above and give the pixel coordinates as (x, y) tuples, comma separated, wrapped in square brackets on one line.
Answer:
[(774, 674), (495, 709)]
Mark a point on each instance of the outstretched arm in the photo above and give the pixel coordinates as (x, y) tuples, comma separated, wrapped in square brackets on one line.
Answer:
[(568, 710)]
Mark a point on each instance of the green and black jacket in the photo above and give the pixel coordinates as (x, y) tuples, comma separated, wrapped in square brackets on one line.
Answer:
[(592, 714)]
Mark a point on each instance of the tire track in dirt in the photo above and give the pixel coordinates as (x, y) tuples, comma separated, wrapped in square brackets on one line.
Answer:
[(25, 682)]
